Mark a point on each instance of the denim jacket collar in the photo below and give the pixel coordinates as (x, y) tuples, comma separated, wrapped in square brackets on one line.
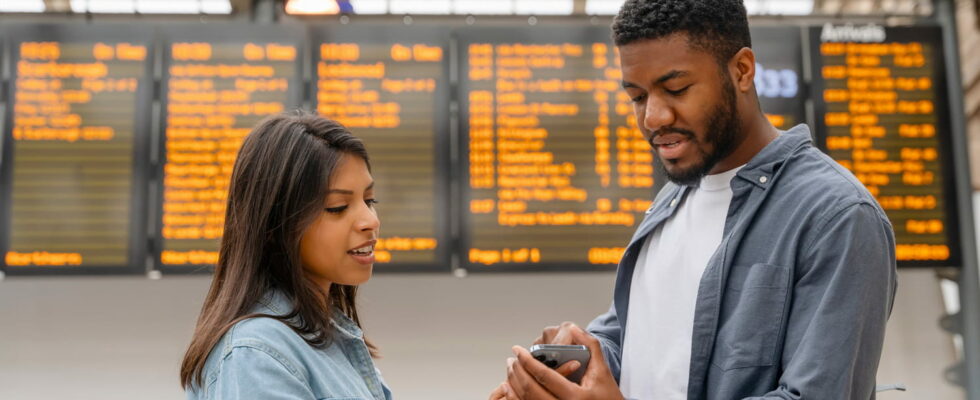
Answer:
[(279, 304)]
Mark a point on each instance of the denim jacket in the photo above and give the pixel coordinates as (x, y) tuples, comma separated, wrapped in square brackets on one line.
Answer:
[(793, 302), (262, 358)]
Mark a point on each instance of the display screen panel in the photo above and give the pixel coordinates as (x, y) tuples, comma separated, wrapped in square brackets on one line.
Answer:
[(779, 74), (390, 87), (75, 127), (881, 112), (217, 84), (556, 174)]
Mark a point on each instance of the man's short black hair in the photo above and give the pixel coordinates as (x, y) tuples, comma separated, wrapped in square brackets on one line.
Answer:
[(719, 27)]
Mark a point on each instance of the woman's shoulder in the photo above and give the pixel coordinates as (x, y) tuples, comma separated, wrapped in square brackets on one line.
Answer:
[(262, 332), (259, 349)]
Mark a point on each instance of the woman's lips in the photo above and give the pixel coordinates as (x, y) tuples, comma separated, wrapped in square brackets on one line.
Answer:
[(364, 253), (363, 259)]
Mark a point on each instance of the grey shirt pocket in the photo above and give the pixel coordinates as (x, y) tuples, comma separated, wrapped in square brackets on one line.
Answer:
[(752, 313)]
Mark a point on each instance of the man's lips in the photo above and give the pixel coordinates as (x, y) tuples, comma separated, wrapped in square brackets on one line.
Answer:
[(667, 139), (671, 146)]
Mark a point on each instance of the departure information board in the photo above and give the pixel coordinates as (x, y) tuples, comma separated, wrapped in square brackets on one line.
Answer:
[(556, 174), (389, 87), (72, 176), (779, 74), (507, 148), (880, 101), (217, 84)]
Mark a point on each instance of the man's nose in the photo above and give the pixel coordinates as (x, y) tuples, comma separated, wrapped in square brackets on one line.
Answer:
[(657, 114)]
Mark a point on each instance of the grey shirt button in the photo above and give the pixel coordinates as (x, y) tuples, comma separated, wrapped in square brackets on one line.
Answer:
[(673, 202)]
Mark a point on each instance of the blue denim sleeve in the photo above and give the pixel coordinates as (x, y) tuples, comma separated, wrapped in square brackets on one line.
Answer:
[(257, 373), (607, 329), (842, 298)]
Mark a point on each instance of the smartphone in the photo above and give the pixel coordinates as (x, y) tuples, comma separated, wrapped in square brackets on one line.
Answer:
[(554, 355)]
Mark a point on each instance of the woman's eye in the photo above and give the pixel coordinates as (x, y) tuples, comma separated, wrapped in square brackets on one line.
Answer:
[(637, 99), (371, 202), (335, 210)]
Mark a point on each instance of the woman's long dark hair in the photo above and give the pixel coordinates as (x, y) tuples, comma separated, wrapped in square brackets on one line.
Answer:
[(278, 184)]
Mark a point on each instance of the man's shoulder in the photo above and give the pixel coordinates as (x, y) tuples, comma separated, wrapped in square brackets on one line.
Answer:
[(811, 176)]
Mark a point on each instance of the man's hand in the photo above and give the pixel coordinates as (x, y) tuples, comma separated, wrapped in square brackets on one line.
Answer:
[(503, 392), (561, 334), (529, 379)]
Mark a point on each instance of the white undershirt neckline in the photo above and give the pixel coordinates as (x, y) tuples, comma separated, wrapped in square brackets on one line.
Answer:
[(663, 293)]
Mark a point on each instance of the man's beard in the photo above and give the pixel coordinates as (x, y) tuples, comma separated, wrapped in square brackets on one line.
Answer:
[(722, 133)]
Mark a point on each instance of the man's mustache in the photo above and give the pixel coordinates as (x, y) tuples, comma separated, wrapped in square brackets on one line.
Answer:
[(666, 130)]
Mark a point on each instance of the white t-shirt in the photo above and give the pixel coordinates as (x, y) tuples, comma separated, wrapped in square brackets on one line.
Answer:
[(657, 348)]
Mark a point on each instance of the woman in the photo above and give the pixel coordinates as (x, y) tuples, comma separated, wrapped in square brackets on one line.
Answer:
[(279, 321)]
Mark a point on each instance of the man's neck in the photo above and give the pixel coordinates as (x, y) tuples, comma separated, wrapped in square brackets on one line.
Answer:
[(759, 132)]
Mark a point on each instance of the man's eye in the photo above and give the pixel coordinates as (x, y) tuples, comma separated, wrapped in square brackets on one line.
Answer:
[(678, 92), (638, 99), (335, 210), (371, 202)]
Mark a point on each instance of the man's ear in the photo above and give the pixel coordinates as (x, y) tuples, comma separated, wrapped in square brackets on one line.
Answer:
[(742, 68)]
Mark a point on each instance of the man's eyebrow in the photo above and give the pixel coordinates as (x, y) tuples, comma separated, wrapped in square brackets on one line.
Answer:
[(670, 75), (348, 192), (663, 78)]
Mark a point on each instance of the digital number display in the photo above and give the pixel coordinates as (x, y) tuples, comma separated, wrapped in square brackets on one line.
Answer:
[(779, 74)]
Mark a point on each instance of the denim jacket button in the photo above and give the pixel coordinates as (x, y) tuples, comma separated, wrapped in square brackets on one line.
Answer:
[(763, 179)]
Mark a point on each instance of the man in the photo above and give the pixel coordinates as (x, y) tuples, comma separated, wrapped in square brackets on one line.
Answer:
[(764, 270)]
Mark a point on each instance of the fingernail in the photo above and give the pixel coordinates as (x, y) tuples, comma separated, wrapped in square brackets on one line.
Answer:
[(574, 365), (514, 350)]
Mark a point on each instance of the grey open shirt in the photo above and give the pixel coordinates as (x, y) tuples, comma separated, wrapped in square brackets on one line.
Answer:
[(793, 302)]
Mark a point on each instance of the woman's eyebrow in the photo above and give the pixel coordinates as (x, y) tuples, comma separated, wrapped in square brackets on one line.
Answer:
[(349, 192)]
